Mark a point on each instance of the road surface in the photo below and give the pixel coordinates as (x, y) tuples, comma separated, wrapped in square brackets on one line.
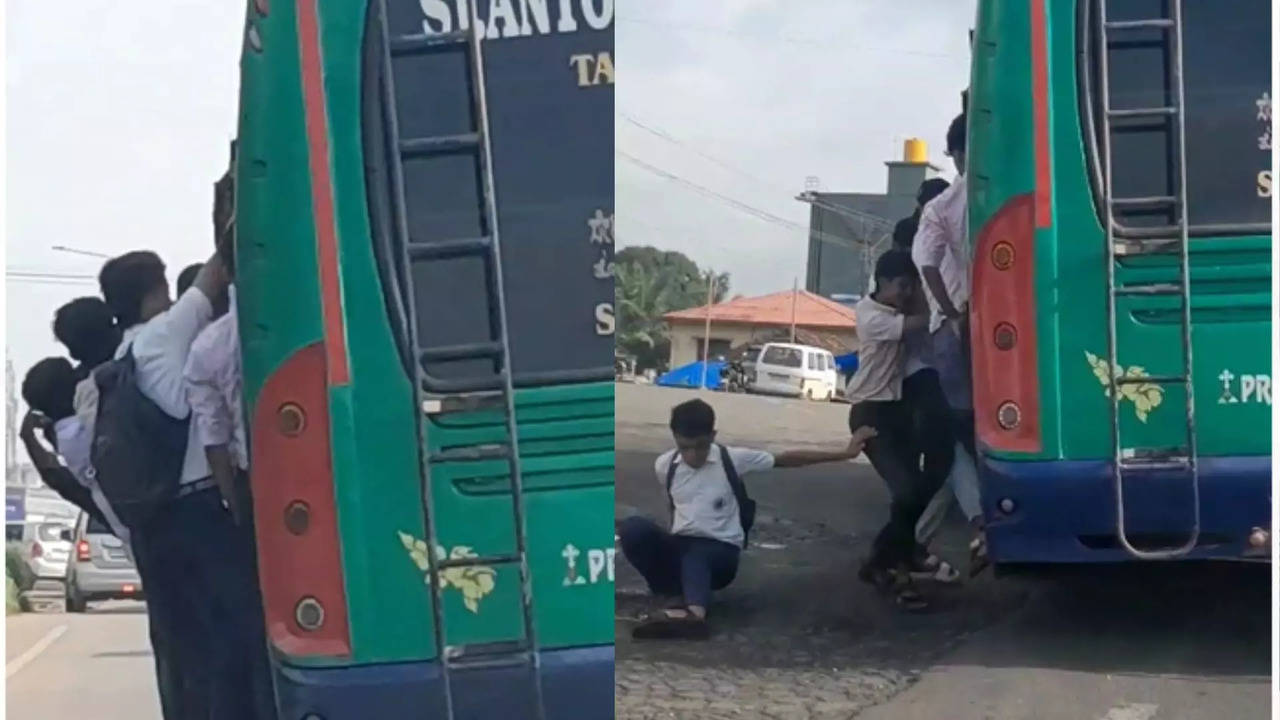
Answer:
[(797, 636), (93, 665)]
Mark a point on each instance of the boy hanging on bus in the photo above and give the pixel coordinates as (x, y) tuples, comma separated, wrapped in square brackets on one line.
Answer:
[(710, 518), (213, 379), (941, 251), (49, 389), (891, 323)]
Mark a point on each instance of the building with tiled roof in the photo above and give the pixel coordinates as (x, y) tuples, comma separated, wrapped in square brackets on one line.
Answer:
[(746, 321)]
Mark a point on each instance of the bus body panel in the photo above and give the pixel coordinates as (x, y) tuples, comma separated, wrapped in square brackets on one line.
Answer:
[(576, 684), (1230, 309), (566, 430)]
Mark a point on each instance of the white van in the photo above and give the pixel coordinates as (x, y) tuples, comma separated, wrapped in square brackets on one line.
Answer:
[(796, 371)]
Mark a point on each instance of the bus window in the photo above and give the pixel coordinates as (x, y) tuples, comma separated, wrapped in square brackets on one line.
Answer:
[(1226, 65)]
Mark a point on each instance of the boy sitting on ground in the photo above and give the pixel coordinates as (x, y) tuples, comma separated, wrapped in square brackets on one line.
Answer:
[(710, 517)]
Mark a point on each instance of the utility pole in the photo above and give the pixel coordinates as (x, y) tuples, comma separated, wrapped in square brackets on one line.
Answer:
[(706, 332), (11, 423), (795, 293)]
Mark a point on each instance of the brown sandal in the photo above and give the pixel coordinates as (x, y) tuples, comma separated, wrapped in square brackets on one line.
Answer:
[(665, 626)]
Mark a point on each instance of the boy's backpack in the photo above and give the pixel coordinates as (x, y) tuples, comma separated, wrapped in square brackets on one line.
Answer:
[(746, 506), (138, 448)]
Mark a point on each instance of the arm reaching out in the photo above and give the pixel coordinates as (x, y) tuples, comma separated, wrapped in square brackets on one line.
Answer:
[(801, 458)]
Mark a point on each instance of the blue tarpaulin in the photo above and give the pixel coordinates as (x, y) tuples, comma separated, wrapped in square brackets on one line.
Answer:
[(847, 364), (691, 375)]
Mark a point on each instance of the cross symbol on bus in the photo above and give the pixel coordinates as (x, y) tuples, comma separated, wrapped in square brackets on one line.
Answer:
[(1227, 396), (570, 554)]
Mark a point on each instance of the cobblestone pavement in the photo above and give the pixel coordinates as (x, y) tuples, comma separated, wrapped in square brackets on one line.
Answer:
[(663, 691)]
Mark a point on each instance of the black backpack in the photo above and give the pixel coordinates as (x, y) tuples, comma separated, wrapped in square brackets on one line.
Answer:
[(138, 448), (746, 506)]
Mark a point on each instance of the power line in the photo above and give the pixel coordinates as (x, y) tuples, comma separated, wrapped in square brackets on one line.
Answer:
[(875, 221), (738, 204), (49, 275)]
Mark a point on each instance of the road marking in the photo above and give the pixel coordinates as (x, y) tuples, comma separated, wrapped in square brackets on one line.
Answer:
[(1132, 711), (12, 667)]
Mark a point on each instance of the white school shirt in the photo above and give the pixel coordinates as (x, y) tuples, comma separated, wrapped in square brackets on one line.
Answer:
[(75, 442), (703, 498), (160, 350), (881, 353), (942, 241), (214, 385)]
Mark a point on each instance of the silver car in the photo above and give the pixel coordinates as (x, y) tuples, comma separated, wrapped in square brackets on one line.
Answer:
[(101, 566), (46, 552)]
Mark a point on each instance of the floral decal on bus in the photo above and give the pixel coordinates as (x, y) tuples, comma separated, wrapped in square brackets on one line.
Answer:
[(473, 582), (1144, 396)]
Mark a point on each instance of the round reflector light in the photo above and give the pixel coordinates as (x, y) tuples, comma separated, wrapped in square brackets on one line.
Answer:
[(297, 517), (1002, 256), (1009, 415), (1005, 336), (292, 420), (309, 613)]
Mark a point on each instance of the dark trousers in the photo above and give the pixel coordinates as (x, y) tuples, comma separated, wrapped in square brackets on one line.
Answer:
[(912, 453), (260, 663), (206, 629), (678, 564)]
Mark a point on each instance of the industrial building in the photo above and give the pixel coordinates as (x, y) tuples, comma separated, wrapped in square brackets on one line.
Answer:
[(847, 231)]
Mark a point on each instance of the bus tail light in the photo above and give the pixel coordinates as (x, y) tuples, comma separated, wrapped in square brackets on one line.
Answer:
[(1006, 380), (295, 514)]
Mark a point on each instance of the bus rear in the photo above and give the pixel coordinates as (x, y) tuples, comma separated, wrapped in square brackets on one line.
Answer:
[(1118, 150), (425, 244)]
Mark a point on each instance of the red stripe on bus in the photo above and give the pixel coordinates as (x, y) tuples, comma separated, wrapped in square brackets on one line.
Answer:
[(335, 335), (1040, 113)]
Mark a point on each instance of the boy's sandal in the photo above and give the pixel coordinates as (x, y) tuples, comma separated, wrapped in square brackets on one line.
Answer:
[(664, 626), (978, 559), (910, 600), (940, 572), (906, 596)]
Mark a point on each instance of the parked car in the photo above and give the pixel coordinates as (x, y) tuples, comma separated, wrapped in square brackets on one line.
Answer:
[(102, 568), (46, 552), (796, 371)]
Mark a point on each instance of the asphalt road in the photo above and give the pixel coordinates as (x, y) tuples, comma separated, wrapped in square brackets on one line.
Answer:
[(94, 665), (797, 636)]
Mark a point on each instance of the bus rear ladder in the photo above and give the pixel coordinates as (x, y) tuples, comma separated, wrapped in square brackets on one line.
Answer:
[(437, 395), (1168, 240)]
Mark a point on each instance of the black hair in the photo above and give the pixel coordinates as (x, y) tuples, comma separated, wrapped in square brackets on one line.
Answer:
[(224, 215), (894, 264), (930, 189), (904, 233), (87, 327), (127, 280), (693, 418), (188, 277), (50, 387), (956, 134)]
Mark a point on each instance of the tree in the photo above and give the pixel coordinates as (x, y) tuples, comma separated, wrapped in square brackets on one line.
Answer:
[(649, 284)]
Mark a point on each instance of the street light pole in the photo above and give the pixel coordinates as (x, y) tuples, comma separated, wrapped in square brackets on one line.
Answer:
[(706, 332)]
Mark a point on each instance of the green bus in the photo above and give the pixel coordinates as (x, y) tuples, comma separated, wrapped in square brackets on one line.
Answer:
[(1120, 215), (425, 250)]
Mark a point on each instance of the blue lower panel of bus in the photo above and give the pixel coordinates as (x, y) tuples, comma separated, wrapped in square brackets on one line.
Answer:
[(576, 683), (1065, 512)]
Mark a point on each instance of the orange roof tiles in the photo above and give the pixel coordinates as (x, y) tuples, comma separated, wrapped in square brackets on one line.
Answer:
[(811, 310)]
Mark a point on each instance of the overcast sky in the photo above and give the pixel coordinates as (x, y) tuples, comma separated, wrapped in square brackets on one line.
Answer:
[(118, 116), (118, 123), (760, 94)]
